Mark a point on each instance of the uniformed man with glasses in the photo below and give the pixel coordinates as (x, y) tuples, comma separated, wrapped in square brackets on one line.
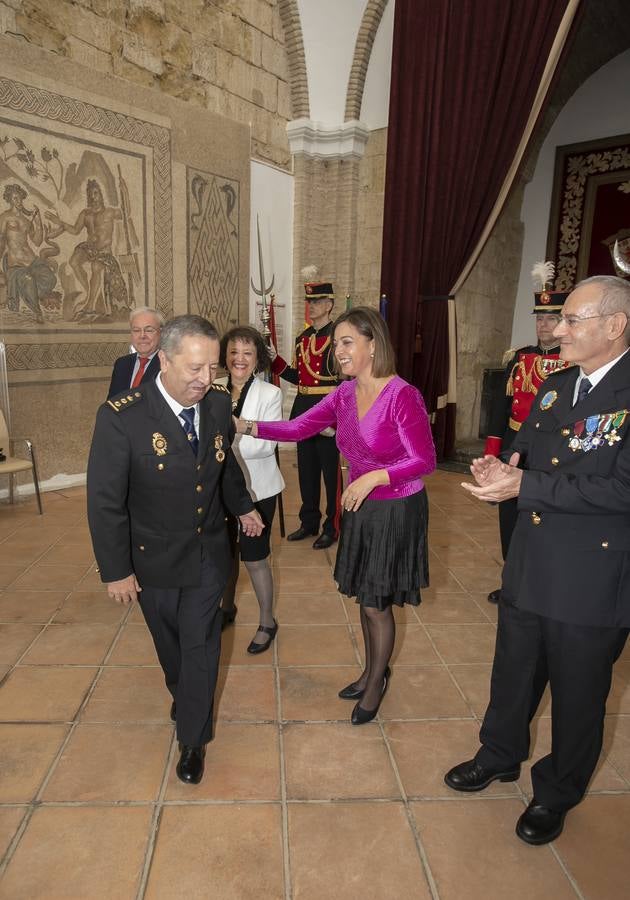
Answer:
[(525, 372), (565, 596), (143, 364)]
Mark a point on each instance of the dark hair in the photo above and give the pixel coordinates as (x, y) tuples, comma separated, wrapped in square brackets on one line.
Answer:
[(371, 325), (248, 335), (11, 189), (185, 326)]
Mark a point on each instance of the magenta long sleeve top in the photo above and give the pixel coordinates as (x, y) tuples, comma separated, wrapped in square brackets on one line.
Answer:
[(394, 434)]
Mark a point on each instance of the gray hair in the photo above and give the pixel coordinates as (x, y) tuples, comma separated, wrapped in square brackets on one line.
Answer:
[(139, 310), (185, 326), (615, 297)]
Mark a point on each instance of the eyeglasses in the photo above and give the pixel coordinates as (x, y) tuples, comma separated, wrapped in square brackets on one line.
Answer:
[(150, 330), (574, 321)]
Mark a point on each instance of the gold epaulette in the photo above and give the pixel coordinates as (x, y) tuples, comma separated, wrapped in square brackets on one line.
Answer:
[(508, 355), (221, 388), (124, 401)]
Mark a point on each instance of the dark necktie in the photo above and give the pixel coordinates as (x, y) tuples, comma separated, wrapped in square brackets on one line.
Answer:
[(143, 360), (584, 388), (188, 415)]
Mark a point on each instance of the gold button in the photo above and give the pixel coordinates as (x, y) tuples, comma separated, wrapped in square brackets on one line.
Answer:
[(198, 468), (141, 547), (554, 460), (129, 397), (515, 400), (199, 531), (137, 394), (536, 518), (160, 466), (604, 545), (537, 424), (117, 404), (123, 399), (565, 432), (199, 488), (199, 510)]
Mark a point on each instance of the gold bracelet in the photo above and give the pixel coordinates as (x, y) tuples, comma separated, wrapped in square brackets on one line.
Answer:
[(248, 426)]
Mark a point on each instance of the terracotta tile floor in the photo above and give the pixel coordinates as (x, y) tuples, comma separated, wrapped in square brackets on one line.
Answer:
[(296, 804)]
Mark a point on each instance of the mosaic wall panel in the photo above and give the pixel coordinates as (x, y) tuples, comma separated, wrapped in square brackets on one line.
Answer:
[(213, 210), (85, 226)]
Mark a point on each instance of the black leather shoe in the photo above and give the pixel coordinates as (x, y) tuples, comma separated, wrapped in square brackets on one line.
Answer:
[(266, 629), (190, 765), (323, 541), (173, 712), (228, 616), (539, 825), (470, 776), (362, 716), (352, 692), (300, 534), (494, 596)]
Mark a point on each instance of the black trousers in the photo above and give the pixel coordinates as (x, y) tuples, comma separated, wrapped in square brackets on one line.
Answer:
[(185, 624), (508, 514), (318, 456), (577, 660)]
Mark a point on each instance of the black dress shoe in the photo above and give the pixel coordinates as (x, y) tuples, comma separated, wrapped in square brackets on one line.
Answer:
[(494, 596), (173, 712), (539, 825), (352, 692), (362, 716), (300, 534), (470, 776), (190, 765), (228, 616), (266, 629), (324, 541)]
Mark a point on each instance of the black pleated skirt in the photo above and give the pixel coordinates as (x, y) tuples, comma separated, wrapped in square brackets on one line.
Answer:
[(382, 556)]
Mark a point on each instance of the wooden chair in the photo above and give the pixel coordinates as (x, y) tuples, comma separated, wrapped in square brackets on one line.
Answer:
[(13, 464)]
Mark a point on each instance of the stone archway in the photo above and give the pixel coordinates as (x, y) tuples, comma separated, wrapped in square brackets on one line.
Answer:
[(290, 17), (362, 50)]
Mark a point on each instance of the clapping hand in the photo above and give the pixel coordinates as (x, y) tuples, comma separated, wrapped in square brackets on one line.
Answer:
[(496, 480)]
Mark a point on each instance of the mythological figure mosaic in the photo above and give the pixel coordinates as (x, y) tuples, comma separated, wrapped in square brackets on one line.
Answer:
[(69, 249), (85, 226), (213, 247)]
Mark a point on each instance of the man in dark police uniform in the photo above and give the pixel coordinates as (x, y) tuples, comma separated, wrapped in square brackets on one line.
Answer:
[(565, 607), (526, 371), (314, 373), (159, 467)]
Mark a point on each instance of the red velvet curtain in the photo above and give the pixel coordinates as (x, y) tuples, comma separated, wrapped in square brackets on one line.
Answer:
[(464, 77)]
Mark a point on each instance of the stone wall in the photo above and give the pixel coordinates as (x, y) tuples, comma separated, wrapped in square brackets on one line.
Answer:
[(226, 56), (178, 174), (369, 221)]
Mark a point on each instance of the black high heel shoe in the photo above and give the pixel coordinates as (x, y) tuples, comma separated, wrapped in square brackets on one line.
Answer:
[(352, 692), (362, 716), (266, 629)]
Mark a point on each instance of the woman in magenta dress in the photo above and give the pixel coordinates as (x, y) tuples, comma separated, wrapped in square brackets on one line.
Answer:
[(383, 432)]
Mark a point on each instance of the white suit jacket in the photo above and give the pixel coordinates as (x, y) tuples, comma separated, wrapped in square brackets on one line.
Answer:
[(256, 457)]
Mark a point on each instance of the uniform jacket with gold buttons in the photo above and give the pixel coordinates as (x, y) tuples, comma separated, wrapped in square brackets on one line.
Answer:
[(153, 504), (312, 369), (569, 557)]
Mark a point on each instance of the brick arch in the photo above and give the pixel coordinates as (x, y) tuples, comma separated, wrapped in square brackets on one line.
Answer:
[(362, 50), (294, 44)]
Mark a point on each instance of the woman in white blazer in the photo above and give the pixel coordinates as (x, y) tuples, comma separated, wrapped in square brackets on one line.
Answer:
[(244, 355)]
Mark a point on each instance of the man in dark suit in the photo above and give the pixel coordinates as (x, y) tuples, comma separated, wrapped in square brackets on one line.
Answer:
[(160, 466), (565, 599), (134, 369)]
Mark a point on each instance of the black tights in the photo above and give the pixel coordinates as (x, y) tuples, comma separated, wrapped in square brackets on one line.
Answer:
[(379, 633)]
